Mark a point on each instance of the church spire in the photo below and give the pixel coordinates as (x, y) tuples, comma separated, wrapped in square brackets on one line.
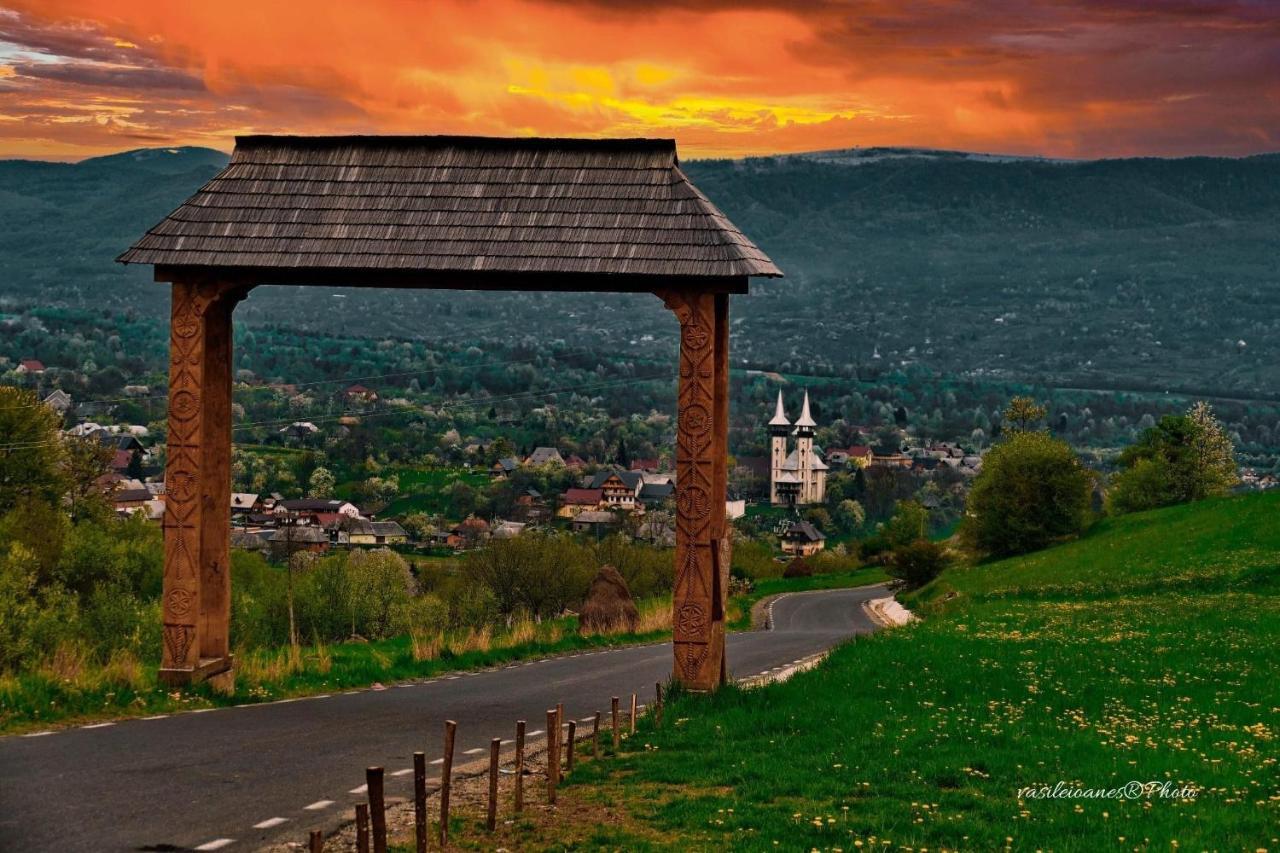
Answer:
[(806, 419), (780, 416)]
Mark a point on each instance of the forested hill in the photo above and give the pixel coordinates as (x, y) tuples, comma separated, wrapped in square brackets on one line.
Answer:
[(1136, 273)]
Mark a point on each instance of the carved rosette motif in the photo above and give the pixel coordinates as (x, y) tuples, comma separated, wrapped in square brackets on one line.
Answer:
[(695, 488), (182, 473)]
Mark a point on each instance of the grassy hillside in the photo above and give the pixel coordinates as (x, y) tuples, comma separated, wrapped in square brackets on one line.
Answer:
[(1227, 544), (920, 738)]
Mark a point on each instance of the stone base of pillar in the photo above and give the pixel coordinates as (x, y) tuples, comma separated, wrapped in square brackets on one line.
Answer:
[(210, 669)]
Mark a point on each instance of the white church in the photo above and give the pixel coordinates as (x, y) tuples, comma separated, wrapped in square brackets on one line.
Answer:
[(797, 477)]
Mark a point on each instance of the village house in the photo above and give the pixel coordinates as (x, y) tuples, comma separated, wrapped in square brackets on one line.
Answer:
[(621, 489), (360, 394), (60, 401), (646, 465), (304, 506), (508, 529), (504, 467), (594, 520), (299, 430), (362, 531), (545, 456), (802, 539), (245, 503), (575, 500), (290, 539), (32, 366), (891, 460)]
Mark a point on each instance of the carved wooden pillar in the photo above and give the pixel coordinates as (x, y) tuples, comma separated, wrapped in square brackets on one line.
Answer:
[(701, 569), (197, 520)]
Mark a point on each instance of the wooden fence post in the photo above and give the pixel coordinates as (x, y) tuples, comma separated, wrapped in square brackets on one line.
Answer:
[(420, 801), (569, 746), (633, 713), (495, 750), (317, 841), (362, 828), (377, 809), (617, 732), (553, 759), (559, 736), (446, 774), (595, 737), (657, 702), (519, 766)]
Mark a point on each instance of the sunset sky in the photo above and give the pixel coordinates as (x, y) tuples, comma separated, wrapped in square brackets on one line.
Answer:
[(1071, 78)]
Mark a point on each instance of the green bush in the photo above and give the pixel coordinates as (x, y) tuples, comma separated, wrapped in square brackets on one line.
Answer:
[(918, 562), (1182, 458), (798, 568), (1032, 491), (754, 560)]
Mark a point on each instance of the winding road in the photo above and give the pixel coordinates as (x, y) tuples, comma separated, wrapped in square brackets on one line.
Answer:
[(236, 778)]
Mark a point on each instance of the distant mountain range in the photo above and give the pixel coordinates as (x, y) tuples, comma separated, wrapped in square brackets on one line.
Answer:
[(1135, 273)]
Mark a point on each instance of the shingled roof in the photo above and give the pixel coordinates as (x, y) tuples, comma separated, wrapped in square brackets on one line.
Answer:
[(453, 204)]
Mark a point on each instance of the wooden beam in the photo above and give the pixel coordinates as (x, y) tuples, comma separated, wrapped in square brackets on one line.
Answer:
[(452, 280)]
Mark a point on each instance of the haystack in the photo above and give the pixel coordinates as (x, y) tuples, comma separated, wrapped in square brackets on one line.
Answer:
[(609, 608), (798, 568)]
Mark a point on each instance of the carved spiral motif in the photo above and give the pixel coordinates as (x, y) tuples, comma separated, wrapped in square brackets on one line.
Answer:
[(691, 619), (695, 420), (696, 335), (185, 404), (186, 322), (179, 602), (693, 502)]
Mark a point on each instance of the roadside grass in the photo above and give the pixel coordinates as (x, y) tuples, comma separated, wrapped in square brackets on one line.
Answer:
[(741, 605), (69, 691), (922, 737)]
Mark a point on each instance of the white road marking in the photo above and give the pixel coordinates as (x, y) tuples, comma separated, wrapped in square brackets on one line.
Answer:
[(321, 696), (318, 805), (475, 751), (361, 790), (156, 717), (270, 822), (404, 772), (98, 726), (535, 732), (438, 761), (216, 844), (205, 711), (587, 720), (39, 734)]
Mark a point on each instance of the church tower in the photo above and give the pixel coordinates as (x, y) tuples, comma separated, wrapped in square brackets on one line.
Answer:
[(805, 426), (778, 429)]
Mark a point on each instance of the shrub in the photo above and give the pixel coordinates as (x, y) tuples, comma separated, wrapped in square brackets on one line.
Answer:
[(1032, 491), (918, 562), (1182, 458)]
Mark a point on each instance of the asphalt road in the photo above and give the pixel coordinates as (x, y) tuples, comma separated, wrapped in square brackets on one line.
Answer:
[(235, 778)]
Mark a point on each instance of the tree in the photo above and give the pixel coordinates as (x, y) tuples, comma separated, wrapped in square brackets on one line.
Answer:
[(851, 514), (321, 483), (910, 522), (84, 460), (1032, 490), (1181, 458), (31, 450), (1022, 413)]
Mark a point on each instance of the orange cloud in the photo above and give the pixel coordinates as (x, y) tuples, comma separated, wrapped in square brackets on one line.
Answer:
[(1062, 77)]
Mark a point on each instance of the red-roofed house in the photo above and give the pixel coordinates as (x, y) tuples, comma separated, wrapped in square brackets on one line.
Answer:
[(30, 365), (574, 501), (361, 394)]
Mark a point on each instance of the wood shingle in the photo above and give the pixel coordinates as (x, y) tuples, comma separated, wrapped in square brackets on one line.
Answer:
[(454, 204)]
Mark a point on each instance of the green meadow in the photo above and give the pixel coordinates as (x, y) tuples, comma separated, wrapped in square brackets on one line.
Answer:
[(1148, 651)]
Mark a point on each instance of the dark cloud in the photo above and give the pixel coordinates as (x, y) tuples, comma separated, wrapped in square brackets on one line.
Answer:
[(110, 76)]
